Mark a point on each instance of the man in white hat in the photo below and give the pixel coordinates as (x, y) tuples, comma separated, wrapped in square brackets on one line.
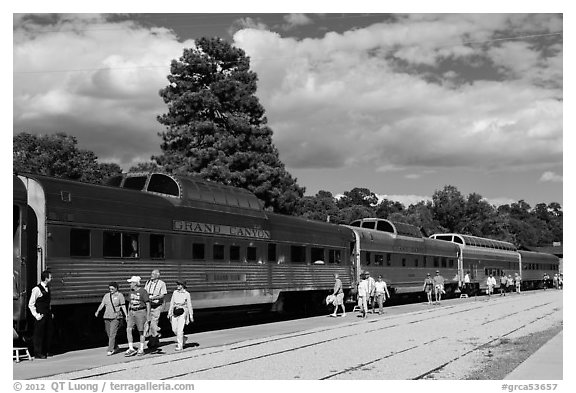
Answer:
[(438, 287), (138, 315)]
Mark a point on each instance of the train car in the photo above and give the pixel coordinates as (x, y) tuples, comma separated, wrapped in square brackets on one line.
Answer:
[(230, 251), (481, 256), (534, 265), (400, 253)]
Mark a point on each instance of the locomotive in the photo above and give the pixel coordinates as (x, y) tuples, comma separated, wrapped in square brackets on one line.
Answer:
[(220, 239)]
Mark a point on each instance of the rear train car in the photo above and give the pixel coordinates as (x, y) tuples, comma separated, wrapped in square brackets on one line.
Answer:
[(230, 251), (400, 253), (535, 265)]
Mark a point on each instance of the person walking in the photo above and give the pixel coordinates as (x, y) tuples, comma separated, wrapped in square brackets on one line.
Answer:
[(371, 288), (363, 295), (490, 283), (380, 293), (438, 286), (428, 287), (156, 289), (503, 281), (39, 305), (180, 313), (467, 283), (138, 315), (338, 293), (114, 306), (518, 282), (510, 284)]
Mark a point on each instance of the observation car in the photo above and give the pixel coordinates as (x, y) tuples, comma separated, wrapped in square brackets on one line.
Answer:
[(219, 239), (400, 253), (482, 256)]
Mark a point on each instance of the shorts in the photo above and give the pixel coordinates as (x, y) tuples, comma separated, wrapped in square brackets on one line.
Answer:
[(136, 318)]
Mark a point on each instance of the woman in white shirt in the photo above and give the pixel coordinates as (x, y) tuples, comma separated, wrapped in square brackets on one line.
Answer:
[(180, 312)]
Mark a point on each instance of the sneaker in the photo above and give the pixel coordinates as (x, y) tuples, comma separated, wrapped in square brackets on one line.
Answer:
[(140, 352), (333, 315), (109, 353), (344, 314), (178, 349), (130, 352)]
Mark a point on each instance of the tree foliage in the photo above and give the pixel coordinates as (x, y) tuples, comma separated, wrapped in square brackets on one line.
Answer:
[(449, 211), (58, 155), (216, 128)]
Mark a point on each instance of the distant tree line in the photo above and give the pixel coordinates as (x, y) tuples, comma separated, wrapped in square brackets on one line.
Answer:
[(216, 129), (449, 211)]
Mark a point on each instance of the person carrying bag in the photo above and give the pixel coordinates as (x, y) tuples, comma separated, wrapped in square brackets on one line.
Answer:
[(180, 312)]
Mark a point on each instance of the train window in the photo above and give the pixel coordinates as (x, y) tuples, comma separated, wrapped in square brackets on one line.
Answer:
[(235, 253), (298, 254), (338, 257), (436, 261), (403, 262), (163, 184), (416, 262), (355, 223), (331, 258), (458, 240), (368, 224), (120, 245), (271, 252), (79, 242), (218, 252), (388, 259), (384, 226), (444, 261), (157, 246), (251, 254), (198, 251), (424, 260), (379, 259), (367, 258), (317, 254), (450, 262), (135, 182)]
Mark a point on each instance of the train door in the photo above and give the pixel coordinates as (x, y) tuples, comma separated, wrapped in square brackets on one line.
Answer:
[(19, 254), (35, 232)]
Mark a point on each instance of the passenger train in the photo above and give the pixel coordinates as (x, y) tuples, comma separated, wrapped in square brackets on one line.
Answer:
[(223, 243)]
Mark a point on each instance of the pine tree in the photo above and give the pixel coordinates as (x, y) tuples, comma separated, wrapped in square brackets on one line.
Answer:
[(216, 127)]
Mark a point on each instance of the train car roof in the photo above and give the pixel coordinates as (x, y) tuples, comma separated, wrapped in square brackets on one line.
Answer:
[(538, 256), (383, 225), (474, 241), (186, 190)]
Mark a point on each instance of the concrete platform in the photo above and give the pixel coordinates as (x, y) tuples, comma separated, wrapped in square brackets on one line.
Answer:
[(544, 364)]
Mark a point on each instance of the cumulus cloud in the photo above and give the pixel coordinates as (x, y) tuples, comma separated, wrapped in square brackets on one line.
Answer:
[(294, 20), (403, 95), (551, 177), (364, 96), (95, 79)]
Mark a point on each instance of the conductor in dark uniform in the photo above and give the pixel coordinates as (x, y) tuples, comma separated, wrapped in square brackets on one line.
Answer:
[(39, 306)]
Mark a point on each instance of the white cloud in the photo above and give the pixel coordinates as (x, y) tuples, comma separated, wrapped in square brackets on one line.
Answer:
[(294, 20), (356, 98), (93, 79), (346, 93), (551, 177)]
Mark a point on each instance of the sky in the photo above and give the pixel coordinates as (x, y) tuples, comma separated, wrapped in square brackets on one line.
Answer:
[(400, 103)]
